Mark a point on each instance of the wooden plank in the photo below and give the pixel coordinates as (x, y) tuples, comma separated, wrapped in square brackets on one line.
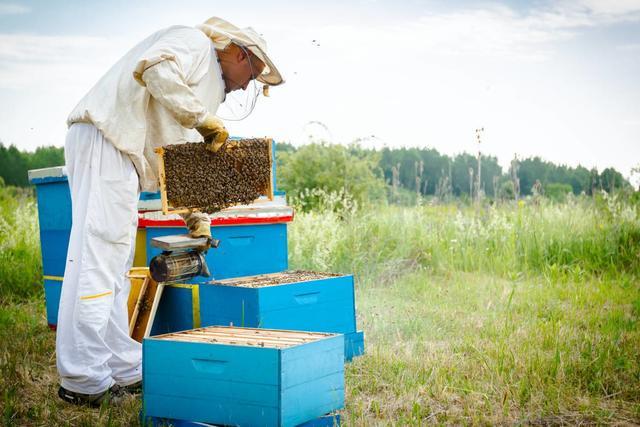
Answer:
[(248, 340), (257, 332), (229, 342), (253, 337), (136, 309), (270, 187), (144, 311), (162, 180), (154, 309), (251, 333)]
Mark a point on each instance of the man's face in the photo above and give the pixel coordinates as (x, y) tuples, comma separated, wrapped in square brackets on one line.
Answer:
[(239, 67)]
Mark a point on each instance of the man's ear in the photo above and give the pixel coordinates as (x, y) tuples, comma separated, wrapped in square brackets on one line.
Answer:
[(241, 55)]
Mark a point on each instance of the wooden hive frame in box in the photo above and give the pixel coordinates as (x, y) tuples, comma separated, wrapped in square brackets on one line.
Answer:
[(168, 209), (270, 338)]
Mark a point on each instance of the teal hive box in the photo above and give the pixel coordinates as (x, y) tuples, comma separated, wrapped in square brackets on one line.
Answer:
[(329, 420), (243, 376), (303, 301)]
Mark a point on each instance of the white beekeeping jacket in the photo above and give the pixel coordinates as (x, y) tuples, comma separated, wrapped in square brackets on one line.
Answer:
[(155, 95)]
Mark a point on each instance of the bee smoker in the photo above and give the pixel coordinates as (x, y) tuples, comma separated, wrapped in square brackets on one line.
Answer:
[(182, 258)]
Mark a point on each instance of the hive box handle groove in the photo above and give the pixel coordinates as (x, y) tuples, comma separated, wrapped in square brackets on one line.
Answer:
[(210, 366), (307, 298)]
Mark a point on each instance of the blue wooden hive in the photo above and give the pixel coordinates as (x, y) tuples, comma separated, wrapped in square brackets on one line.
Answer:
[(243, 376), (304, 301), (329, 420)]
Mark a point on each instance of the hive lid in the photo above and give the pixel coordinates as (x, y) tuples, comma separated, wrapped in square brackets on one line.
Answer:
[(245, 337), (36, 175)]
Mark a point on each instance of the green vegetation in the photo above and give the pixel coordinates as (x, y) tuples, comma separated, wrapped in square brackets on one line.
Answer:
[(20, 263), (350, 173), (14, 163), (417, 170), (498, 312), (426, 172)]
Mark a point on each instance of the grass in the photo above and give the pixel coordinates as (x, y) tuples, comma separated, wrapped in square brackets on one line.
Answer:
[(496, 315), (477, 349), (20, 264)]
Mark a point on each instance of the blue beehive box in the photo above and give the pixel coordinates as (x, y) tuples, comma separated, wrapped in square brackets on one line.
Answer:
[(305, 301), (245, 248), (329, 420), (243, 376), (54, 214)]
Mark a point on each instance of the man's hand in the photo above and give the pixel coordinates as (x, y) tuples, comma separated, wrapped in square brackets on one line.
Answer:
[(199, 224), (214, 133)]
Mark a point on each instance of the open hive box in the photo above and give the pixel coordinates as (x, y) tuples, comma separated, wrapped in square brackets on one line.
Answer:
[(289, 300), (194, 178), (243, 376), (298, 300), (245, 336)]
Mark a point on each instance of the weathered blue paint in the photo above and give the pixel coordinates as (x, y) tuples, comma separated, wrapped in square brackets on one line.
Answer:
[(175, 311), (240, 385), (244, 250), (325, 305), (353, 344), (329, 420), (54, 215), (52, 290)]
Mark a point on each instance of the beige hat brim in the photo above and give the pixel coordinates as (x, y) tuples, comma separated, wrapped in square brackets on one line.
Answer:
[(271, 75)]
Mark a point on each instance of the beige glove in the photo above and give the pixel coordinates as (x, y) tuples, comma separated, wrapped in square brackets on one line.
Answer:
[(198, 223), (213, 131)]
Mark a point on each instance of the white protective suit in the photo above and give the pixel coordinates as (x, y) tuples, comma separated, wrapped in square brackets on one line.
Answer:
[(112, 134), (155, 95)]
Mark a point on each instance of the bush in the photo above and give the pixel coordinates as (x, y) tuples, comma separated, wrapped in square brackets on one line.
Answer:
[(557, 192), (334, 169)]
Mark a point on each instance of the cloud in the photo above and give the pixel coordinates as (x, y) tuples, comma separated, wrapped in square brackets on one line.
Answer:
[(629, 47), (28, 59), (13, 9), (612, 9)]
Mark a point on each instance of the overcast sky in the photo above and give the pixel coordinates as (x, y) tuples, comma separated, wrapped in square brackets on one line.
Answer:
[(555, 79)]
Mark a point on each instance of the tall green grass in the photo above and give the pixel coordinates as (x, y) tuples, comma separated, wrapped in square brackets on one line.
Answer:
[(579, 237), (20, 261)]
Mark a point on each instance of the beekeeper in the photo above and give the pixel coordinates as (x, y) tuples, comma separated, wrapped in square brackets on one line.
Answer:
[(165, 90)]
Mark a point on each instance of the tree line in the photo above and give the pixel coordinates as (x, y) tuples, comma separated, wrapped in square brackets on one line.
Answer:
[(15, 163), (370, 173), (427, 172)]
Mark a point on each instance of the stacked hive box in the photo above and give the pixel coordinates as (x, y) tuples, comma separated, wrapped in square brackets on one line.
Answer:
[(242, 376)]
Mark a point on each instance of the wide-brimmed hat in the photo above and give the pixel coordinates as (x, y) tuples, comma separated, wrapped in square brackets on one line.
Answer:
[(222, 33)]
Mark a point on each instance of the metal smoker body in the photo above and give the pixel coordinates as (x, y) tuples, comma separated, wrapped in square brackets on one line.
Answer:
[(182, 258)]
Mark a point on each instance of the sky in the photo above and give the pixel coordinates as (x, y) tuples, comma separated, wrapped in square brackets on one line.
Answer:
[(556, 79)]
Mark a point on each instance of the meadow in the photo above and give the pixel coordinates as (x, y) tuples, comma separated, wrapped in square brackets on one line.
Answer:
[(506, 313)]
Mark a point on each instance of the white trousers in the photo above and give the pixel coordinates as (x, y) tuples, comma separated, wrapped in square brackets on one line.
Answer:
[(93, 346)]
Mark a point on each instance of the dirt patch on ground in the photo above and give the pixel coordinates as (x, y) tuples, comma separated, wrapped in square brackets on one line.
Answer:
[(238, 173)]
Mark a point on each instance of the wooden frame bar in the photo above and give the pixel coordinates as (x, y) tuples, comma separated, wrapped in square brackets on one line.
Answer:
[(245, 336)]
